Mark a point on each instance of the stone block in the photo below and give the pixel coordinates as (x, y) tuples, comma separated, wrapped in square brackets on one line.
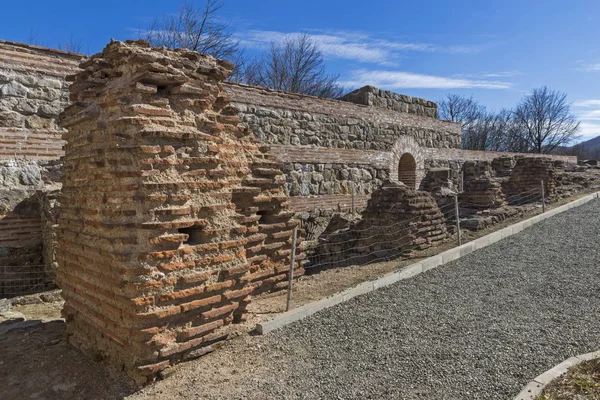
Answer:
[(531, 391), (363, 288), (13, 89), (556, 371)]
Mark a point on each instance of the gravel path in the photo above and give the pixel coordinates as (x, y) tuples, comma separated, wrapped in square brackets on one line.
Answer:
[(478, 328)]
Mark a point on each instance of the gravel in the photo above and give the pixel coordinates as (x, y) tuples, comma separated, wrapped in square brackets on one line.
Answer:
[(478, 328)]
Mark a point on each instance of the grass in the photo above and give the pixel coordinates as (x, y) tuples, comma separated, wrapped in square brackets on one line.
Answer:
[(581, 382)]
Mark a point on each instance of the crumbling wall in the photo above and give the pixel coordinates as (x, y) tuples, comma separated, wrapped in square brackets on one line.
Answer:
[(526, 179), (374, 97), (480, 189), (396, 221), (171, 214), (23, 266), (503, 166), (33, 92)]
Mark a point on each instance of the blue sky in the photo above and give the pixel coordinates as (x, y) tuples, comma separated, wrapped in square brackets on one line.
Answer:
[(495, 50)]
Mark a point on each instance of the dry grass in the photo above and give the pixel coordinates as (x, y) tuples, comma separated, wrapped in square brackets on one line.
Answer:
[(581, 382)]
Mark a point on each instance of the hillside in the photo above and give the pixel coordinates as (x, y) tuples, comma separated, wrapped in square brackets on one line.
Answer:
[(588, 149)]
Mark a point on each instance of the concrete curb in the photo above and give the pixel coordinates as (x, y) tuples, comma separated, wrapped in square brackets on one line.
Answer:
[(412, 270), (534, 388)]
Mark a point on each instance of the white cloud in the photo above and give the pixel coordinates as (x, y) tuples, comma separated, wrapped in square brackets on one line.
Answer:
[(588, 112), (584, 67), (502, 74), (404, 80), (353, 45), (587, 103), (589, 130)]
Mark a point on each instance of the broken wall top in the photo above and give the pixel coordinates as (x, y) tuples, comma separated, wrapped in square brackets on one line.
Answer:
[(385, 99)]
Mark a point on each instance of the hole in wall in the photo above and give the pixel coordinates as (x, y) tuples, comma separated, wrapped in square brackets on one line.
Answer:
[(195, 236), (262, 214)]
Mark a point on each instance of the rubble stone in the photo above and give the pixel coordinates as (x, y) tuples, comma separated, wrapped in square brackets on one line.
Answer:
[(396, 221), (524, 184), (480, 189)]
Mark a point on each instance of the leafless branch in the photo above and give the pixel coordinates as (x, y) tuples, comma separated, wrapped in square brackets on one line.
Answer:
[(72, 45), (295, 66), (195, 28), (540, 123), (544, 120)]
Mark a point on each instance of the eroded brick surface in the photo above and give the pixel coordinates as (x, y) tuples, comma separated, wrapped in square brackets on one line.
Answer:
[(480, 189), (525, 182), (396, 221), (172, 214)]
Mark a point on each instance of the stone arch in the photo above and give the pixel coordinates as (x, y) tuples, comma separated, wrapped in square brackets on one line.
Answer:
[(407, 156)]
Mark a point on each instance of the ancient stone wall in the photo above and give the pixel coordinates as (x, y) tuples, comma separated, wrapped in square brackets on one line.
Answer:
[(23, 266), (480, 190), (526, 179), (374, 97), (283, 118), (171, 214), (33, 92), (396, 221), (301, 161)]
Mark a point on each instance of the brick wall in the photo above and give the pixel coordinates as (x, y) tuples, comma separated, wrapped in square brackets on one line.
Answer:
[(30, 144), (33, 91), (172, 214), (328, 202)]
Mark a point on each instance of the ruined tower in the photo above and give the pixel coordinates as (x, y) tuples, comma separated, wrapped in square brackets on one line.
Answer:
[(172, 215)]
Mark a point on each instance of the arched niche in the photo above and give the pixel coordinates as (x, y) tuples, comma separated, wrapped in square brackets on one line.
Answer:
[(407, 162)]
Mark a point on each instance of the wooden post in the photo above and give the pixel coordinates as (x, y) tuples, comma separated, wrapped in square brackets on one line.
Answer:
[(457, 220), (543, 198), (352, 190), (291, 273)]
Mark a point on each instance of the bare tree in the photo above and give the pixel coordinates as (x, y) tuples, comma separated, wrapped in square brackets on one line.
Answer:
[(544, 121), (457, 108), (195, 28), (296, 65), (473, 116), (72, 45), (33, 38)]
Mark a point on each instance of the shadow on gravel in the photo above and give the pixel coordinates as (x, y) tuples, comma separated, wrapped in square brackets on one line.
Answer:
[(37, 362)]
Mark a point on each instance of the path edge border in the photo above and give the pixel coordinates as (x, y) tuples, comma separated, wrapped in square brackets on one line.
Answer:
[(427, 264), (534, 388)]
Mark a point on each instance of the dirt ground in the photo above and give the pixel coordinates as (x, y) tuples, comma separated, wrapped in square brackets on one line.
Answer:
[(36, 362)]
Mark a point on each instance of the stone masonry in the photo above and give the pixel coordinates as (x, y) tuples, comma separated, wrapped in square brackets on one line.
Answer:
[(334, 153), (285, 118), (374, 97), (396, 221), (481, 190), (524, 184), (33, 91), (171, 214)]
